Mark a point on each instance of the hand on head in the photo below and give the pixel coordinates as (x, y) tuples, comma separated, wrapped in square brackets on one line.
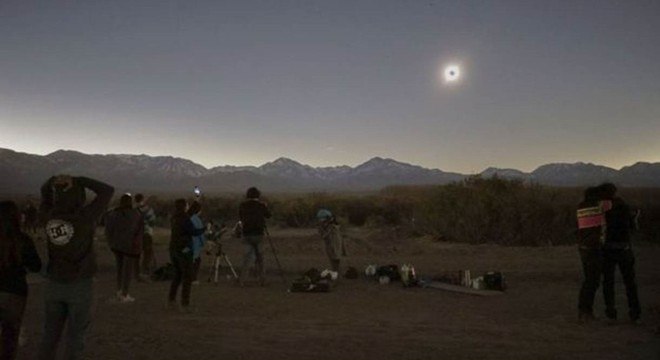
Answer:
[(65, 182)]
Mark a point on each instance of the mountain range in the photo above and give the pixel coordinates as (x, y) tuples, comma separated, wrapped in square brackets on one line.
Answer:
[(23, 173)]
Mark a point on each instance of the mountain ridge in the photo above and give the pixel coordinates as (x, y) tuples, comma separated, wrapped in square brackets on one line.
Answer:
[(24, 172)]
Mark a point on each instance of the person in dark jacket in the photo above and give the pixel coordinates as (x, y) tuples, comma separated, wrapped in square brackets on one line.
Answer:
[(591, 235), (70, 228), (124, 227), (617, 251), (181, 253), (17, 253), (252, 214)]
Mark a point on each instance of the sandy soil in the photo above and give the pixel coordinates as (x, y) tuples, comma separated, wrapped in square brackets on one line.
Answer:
[(535, 319)]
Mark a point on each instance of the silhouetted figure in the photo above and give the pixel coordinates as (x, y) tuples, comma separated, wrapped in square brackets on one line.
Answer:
[(17, 254), (124, 228), (253, 214), (149, 216), (70, 229), (617, 251), (328, 228), (181, 253), (30, 218), (199, 240), (591, 236)]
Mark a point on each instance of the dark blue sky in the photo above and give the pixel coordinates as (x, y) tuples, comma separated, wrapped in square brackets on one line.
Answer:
[(334, 82)]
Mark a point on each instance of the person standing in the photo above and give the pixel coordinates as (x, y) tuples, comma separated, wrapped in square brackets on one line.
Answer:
[(617, 251), (329, 230), (198, 241), (70, 228), (252, 214), (181, 253), (148, 259), (591, 235), (124, 228), (30, 218), (17, 253)]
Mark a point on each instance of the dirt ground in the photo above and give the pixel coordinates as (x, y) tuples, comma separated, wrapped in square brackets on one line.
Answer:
[(360, 319)]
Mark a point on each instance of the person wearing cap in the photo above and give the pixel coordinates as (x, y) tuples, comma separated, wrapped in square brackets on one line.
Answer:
[(328, 228), (124, 228), (70, 228)]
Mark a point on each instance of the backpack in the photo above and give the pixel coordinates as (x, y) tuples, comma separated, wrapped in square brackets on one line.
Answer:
[(494, 280), (391, 271), (163, 273)]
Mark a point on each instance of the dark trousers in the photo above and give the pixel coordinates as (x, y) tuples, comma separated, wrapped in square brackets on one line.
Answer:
[(625, 259), (592, 260), (67, 304), (253, 255), (183, 273), (197, 264), (126, 265), (11, 316), (148, 259)]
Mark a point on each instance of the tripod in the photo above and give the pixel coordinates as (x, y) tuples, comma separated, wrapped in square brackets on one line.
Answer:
[(218, 258), (219, 255)]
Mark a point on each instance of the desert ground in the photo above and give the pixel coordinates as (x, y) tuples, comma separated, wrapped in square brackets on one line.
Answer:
[(361, 319)]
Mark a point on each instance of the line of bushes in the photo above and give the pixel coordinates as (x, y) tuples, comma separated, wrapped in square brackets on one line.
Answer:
[(476, 210)]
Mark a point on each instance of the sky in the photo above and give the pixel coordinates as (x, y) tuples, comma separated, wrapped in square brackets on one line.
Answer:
[(334, 82)]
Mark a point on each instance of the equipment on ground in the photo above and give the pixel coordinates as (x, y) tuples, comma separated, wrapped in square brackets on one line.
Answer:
[(408, 275), (163, 273), (306, 285)]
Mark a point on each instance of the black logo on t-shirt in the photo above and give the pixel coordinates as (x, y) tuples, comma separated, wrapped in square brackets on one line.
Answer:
[(59, 232)]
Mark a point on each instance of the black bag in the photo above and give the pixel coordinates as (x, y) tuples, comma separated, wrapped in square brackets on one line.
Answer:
[(304, 284), (313, 274), (391, 271), (163, 273), (351, 273), (494, 280)]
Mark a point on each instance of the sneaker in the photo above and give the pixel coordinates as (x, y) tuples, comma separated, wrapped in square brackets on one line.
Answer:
[(636, 321), (172, 305), (118, 295), (196, 282), (126, 299)]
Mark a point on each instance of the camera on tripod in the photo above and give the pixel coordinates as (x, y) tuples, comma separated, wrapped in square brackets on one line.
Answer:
[(214, 249)]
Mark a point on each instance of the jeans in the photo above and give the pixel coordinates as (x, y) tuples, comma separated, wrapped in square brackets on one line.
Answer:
[(592, 260), (183, 273), (67, 304), (148, 259), (625, 259), (126, 265), (253, 255), (12, 307)]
